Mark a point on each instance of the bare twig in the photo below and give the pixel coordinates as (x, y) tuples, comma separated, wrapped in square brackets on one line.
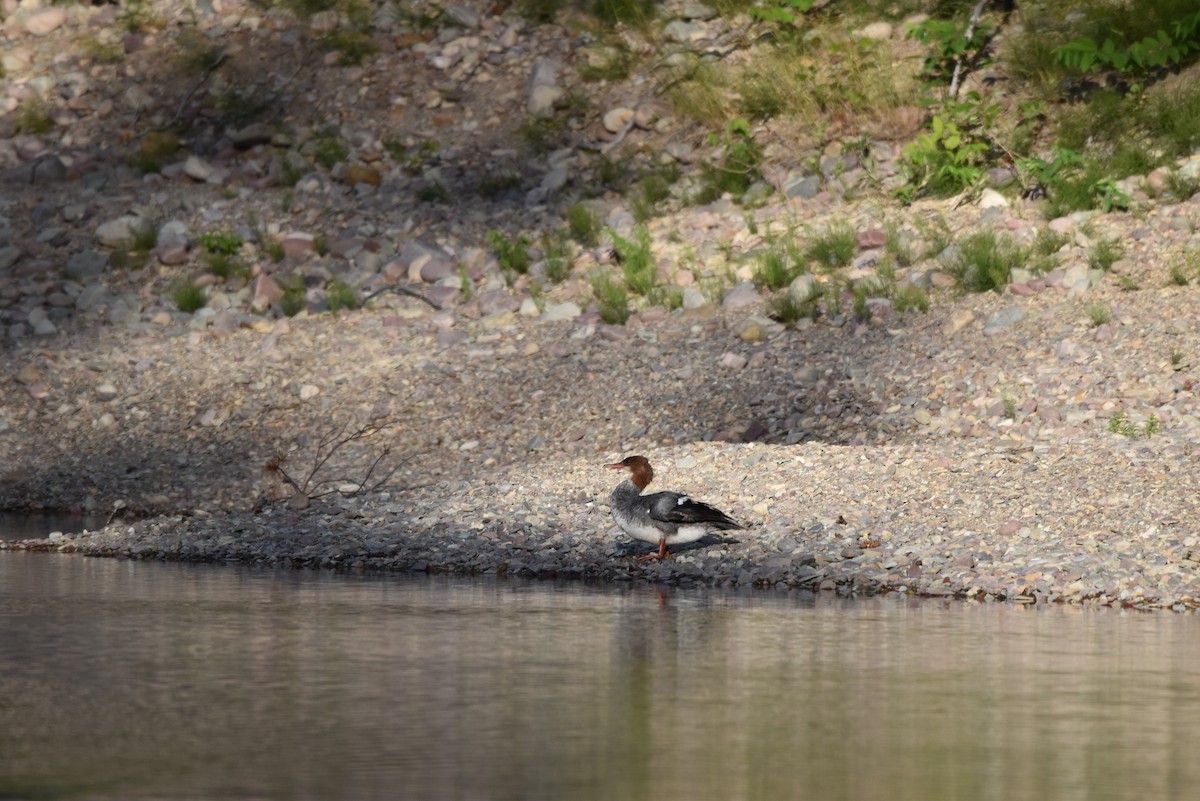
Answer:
[(220, 59), (399, 290), (327, 447), (958, 62)]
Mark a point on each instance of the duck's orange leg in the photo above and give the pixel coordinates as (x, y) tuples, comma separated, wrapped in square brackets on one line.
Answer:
[(663, 552)]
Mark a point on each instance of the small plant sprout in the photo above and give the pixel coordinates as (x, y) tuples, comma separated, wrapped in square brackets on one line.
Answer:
[(1104, 254), (189, 297), (834, 247), (1176, 358), (611, 298), (1179, 275), (1010, 406), (512, 254), (1099, 313), (1128, 283)]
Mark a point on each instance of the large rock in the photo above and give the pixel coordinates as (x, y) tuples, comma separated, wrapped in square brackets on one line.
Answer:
[(84, 265), (119, 232), (45, 20)]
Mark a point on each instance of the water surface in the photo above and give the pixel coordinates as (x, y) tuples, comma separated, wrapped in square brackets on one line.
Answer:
[(142, 680)]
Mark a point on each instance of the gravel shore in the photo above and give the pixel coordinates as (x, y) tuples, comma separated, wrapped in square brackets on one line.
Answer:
[(1034, 445), (883, 459)]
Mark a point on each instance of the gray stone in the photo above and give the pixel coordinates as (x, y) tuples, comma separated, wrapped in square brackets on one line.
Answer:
[(543, 99), (694, 10), (85, 264), (879, 31), (803, 288), (444, 297), (684, 31), (562, 311), (8, 256), (1001, 177), (497, 301), (258, 133), (45, 20), (741, 296), (173, 233), (543, 73), (802, 186), (46, 169), (465, 16), (197, 169), (693, 298), (92, 296), (119, 232), (1003, 318)]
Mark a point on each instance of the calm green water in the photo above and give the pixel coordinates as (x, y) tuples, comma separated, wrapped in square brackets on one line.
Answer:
[(123, 680)]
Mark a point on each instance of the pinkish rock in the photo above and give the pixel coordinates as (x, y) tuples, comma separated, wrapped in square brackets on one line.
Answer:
[(740, 297), (495, 301), (1024, 290), (297, 243), (444, 297), (1009, 527), (436, 269), (264, 293), (871, 238), (172, 254), (45, 20)]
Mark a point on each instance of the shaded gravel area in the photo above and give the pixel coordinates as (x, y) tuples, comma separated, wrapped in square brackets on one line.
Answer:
[(900, 459)]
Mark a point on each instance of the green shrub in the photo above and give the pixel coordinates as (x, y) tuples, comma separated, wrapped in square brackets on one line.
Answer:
[(611, 298), (189, 297), (834, 247), (512, 255), (225, 241), (329, 151), (637, 262), (1104, 254), (340, 295), (583, 225), (294, 299), (910, 297), (353, 47), (738, 166), (557, 252), (985, 261)]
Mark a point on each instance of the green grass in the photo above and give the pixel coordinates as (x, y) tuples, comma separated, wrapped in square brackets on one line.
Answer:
[(189, 297), (512, 254), (294, 296), (1104, 254), (225, 241), (783, 307), (612, 299), (494, 184), (985, 261), (910, 297), (583, 224), (225, 266), (834, 247), (556, 250), (340, 295), (635, 13), (329, 151), (637, 261), (1099, 313), (273, 248), (35, 118), (775, 268), (1179, 274), (352, 47)]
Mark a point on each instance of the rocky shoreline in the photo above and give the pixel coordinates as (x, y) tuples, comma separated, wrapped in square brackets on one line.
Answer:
[(1034, 445)]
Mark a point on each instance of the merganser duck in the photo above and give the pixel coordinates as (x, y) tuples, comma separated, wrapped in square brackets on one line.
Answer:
[(664, 518)]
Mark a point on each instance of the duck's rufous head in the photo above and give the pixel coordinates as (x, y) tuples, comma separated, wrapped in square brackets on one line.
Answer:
[(639, 467)]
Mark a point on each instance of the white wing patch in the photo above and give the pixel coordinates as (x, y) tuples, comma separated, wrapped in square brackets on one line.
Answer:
[(682, 499)]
